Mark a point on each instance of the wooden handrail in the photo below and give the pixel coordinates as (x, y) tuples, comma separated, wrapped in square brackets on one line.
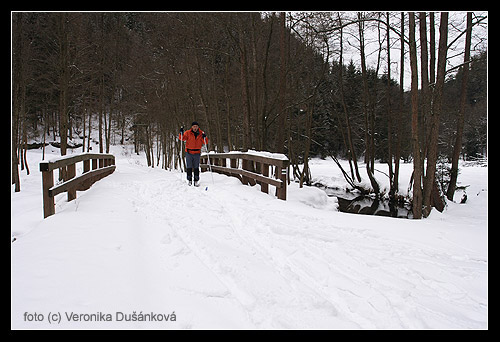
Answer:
[(276, 182), (73, 182), (253, 157), (254, 169), (103, 164), (72, 159)]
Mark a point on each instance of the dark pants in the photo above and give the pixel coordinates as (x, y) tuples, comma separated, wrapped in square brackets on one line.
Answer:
[(193, 164)]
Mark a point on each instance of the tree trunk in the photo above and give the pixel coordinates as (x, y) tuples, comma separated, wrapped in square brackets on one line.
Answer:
[(228, 108), (90, 131), (101, 112), (460, 121), (19, 88), (306, 172), (436, 111), (280, 136), (367, 108), (101, 84), (204, 103), (425, 99), (265, 93), (417, 167), (256, 99), (397, 154), (352, 152), (84, 114), (247, 141), (432, 48), (15, 132), (392, 190), (63, 82)]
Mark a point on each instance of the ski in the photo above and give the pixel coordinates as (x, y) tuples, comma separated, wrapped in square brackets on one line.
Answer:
[(196, 185)]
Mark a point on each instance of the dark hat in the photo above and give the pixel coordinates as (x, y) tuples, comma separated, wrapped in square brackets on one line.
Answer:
[(194, 123)]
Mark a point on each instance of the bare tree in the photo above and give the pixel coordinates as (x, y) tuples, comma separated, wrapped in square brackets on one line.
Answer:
[(369, 112), (461, 113), (350, 146), (397, 154), (429, 181), (417, 164), (280, 139)]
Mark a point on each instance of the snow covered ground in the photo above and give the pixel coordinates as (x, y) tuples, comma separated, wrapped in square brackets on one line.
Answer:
[(140, 245)]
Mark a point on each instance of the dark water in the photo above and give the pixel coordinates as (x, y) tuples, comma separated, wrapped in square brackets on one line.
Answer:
[(354, 203)]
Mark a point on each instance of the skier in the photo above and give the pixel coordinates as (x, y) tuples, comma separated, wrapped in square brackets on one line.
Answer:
[(195, 138)]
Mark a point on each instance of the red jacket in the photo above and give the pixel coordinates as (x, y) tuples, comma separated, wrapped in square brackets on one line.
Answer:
[(193, 142)]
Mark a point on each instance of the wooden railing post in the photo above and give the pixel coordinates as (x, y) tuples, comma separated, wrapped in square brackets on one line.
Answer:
[(244, 166), (86, 166), (202, 161), (264, 187), (71, 173), (48, 201), (282, 190)]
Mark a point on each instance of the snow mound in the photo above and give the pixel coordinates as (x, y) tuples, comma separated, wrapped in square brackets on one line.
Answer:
[(311, 196)]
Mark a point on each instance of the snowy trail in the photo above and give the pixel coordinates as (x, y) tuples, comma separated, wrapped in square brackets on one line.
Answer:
[(232, 257)]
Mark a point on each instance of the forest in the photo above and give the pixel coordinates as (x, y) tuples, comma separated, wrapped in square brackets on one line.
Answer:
[(359, 86)]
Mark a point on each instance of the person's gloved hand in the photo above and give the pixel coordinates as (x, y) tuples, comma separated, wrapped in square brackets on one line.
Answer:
[(203, 135), (181, 131)]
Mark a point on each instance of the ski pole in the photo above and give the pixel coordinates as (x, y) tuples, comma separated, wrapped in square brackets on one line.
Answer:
[(180, 160), (209, 164)]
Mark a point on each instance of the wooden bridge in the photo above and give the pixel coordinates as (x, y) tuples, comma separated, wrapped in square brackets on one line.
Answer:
[(250, 168)]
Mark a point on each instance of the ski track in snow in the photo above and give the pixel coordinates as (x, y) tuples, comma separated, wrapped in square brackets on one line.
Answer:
[(248, 260), (271, 275)]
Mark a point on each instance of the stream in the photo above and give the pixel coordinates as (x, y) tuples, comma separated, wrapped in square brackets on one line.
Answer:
[(354, 203)]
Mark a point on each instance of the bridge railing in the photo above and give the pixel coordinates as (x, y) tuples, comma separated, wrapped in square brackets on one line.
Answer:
[(103, 164), (251, 168)]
